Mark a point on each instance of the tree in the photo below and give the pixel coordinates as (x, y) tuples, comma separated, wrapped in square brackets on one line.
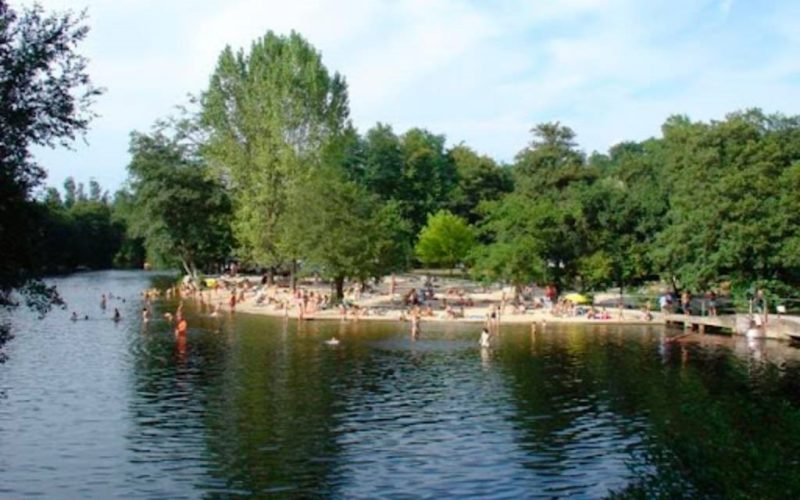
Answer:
[(446, 240), (480, 179), (413, 170), (45, 96), (131, 253), (181, 212), (383, 162), (551, 162), (70, 192), (96, 192), (342, 230), (624, 211), (428, 175), (52, 198), (543, 217), (728, 213), (272, 114)]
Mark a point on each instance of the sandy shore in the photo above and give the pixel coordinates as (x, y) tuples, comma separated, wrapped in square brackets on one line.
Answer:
[(379, 304)]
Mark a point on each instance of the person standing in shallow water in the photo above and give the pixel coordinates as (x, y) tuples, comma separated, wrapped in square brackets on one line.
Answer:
[(415, 320), (485, 337), (182, 326)]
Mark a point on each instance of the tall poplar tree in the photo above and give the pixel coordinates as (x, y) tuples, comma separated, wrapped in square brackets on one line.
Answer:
[(274, 115)]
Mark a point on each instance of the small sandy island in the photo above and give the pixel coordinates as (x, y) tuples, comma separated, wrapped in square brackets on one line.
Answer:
[(397, 298)]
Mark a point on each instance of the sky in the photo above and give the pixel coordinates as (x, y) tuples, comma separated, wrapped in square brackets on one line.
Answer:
[(479, 72)]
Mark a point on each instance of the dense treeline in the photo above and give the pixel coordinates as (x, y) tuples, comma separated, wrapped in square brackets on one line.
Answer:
[(45, 100), (289, 184), (84, 231)]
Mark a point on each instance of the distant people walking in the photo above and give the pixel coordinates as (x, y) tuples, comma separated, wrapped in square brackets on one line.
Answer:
[(686, 300), (712, 303)]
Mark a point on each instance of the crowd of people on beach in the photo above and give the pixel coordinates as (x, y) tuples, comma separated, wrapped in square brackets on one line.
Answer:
[(428, 301)]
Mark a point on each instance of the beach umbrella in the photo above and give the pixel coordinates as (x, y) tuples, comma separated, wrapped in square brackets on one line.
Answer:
[(577, 298)]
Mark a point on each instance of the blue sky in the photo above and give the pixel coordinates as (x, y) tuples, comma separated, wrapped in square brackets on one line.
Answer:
[(479, 72)]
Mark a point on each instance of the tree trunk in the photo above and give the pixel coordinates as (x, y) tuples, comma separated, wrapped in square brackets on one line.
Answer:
[(191, 270), (294, 275), (270, 275), (339, 283), (674, 285)]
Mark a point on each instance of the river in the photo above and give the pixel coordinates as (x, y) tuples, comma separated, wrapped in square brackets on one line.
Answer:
[(251, 405)]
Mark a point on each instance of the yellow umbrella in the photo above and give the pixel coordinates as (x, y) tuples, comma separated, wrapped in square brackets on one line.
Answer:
[(576, 298)]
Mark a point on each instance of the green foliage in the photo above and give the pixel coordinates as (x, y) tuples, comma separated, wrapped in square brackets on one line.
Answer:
[(446, 240), (272, 114), (414, 170), (479, 180), (731, 195), (428, 175), (45, 95), (514, 261), (342, 230), (131, 253), (180, 211), (543, 217), (383, 162)]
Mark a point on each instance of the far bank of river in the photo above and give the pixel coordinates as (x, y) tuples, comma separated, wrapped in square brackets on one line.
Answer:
[(454, 300)]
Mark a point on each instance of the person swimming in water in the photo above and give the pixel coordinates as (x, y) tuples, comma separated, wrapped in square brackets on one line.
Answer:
[(117, 316), (74, 316)]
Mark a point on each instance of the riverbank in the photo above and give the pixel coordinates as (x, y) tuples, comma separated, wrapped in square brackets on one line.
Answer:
[(448, 299)]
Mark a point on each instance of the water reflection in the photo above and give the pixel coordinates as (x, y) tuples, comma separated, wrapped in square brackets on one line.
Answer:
[(248, 405)]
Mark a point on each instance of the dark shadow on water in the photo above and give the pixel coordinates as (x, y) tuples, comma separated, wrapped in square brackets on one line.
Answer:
[(703, 418)]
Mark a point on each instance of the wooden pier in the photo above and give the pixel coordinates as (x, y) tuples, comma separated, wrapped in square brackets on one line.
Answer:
[(772, 326), (727, 323)]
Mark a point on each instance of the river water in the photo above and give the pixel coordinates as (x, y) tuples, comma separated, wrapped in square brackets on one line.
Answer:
[(260, 406)]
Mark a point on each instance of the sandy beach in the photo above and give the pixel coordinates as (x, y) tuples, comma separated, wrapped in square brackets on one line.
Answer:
[(454, 300)]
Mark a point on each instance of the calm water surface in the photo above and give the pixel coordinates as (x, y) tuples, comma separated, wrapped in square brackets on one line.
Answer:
[(258, 406)]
